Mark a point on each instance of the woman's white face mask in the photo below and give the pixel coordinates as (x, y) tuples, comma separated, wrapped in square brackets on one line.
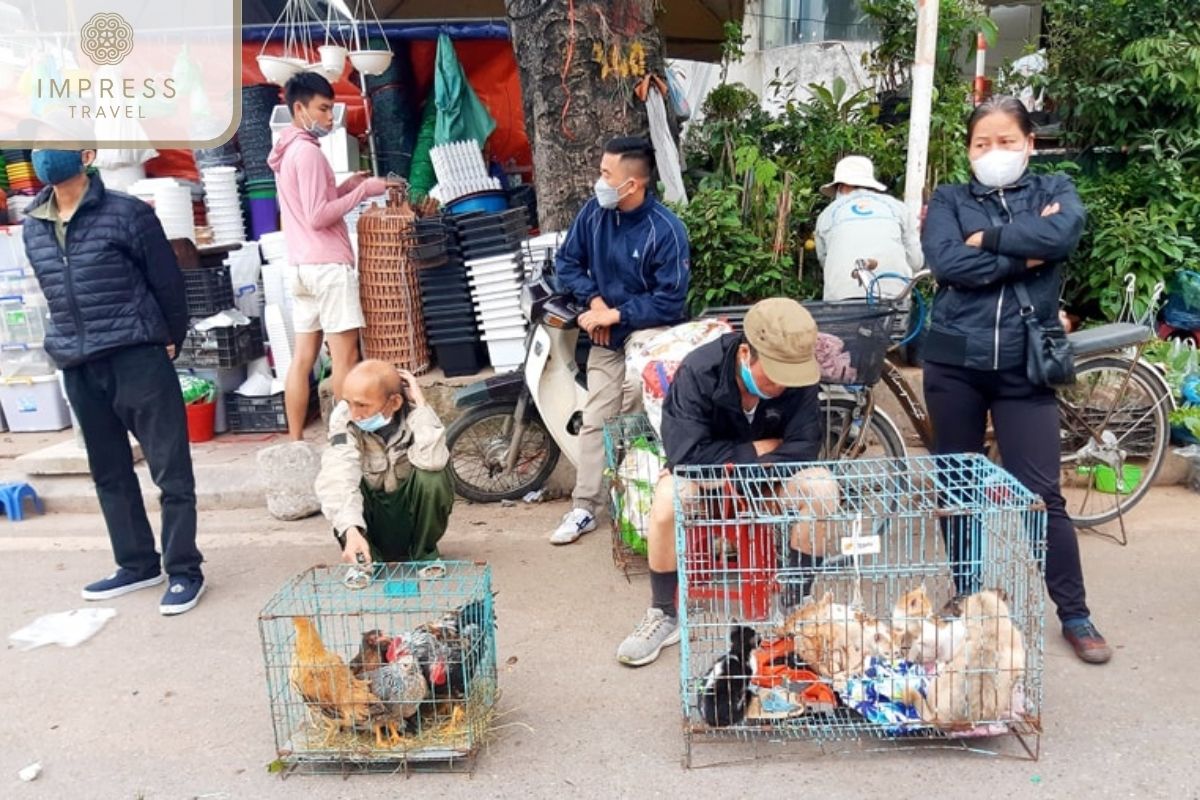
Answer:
[(1000, 167)]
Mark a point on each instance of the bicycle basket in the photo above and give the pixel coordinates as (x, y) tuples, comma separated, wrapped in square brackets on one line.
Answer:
[(853, 340)]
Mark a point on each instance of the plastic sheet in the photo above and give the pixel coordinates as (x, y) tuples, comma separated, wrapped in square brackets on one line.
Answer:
[(64, 628)]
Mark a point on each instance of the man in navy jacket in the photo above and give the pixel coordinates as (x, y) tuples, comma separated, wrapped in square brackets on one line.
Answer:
[(625, 259), (118, 315)]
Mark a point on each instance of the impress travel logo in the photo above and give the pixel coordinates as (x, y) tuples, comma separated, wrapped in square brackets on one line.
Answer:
[(106, 39), (119, 73)]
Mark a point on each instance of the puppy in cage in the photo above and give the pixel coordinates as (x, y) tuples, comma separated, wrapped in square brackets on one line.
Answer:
[(747, 398)]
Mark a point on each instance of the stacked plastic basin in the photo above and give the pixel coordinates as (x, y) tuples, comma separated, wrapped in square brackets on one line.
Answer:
[(446, 302), (491, 244)]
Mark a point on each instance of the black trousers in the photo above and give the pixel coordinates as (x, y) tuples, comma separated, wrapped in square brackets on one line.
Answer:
[(1026, 422), (135, 390)]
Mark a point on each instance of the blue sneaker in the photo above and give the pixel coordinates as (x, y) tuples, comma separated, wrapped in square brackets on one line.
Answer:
[(120, 582), (182, 596)]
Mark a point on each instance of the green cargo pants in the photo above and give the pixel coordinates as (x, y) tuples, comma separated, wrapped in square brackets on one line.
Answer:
[(407, 524)]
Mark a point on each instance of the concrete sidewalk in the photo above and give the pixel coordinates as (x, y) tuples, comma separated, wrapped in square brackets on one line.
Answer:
[(176, 708)]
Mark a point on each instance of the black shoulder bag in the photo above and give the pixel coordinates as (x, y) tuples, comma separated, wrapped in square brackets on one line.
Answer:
[(1049, 360)]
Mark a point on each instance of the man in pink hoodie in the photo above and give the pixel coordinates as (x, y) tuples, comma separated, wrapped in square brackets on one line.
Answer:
[(325, 288)]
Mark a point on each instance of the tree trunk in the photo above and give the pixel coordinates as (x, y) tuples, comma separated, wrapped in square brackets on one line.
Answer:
[(579, 61)]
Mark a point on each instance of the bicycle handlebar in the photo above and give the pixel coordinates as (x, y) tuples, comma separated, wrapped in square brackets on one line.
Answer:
[(863, 272)]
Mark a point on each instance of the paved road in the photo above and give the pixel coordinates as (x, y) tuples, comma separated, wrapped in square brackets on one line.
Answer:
[(176, 708)]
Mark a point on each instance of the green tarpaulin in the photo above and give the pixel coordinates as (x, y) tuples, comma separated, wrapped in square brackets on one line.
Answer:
[(461, 115)]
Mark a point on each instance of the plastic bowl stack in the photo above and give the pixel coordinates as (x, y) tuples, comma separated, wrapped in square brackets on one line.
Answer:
[(264, 207), (254, 131), (19, 171), (461, 172), (491, 244), (450, 323), (224, 204), (173, 207)]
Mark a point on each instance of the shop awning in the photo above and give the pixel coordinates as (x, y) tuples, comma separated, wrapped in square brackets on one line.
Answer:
[(694, 29)]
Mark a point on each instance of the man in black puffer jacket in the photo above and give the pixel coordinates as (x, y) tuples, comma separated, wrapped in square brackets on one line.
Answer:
[(118, 316)]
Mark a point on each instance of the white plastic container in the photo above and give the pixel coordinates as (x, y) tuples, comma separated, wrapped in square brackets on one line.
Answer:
[(34, 404), (506, 354), (24, 361)]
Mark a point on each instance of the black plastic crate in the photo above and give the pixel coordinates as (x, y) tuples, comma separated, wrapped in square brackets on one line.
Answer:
[(460, 357), (223, 348), (209, 290), (263, 414), (251, 414)]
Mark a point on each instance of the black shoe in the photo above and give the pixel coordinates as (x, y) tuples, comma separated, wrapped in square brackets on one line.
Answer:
[(1087, 642)]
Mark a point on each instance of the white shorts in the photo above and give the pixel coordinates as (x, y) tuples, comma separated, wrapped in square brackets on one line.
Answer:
[(325, 298)]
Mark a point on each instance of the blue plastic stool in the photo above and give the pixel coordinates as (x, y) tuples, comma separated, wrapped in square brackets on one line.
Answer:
[(12, 496)]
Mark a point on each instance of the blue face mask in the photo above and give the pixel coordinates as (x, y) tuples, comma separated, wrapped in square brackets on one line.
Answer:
[(56, 166), (751, 386), (315, 128), (372, 423)]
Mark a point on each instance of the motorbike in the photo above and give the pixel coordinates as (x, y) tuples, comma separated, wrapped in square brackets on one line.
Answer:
[(518, 424)]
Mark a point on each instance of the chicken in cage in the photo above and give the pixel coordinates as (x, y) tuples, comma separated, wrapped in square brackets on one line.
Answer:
[(819, 602), (382, 668)]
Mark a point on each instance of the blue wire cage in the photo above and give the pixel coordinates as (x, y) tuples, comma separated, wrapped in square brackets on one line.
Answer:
[(633, 456), (881, 599), (332, 707)]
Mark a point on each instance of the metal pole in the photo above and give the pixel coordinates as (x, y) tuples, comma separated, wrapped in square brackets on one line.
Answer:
[(370, 127), (922, 103), (980, 68)]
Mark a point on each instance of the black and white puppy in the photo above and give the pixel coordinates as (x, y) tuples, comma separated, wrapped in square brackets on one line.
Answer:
[(725, 690)]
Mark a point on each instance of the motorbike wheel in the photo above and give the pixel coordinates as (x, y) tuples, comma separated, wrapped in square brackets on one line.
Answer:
[(477, 442)]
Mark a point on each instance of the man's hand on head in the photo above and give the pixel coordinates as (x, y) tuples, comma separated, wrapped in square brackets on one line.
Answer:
[(412, 389)]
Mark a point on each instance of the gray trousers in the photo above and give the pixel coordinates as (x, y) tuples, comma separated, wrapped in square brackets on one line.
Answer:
[(610, 393)]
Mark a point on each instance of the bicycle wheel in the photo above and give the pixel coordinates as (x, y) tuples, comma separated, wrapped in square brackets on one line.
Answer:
[(1111, 416), (845, 437)]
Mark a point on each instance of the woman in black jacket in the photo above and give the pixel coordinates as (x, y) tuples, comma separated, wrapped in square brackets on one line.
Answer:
[(1006, 227)]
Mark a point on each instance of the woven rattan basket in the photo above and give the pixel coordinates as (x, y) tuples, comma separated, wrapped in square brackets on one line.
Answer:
[(388, 286)]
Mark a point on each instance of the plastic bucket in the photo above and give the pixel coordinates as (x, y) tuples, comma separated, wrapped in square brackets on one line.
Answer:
[(479, 201), (264, 216), (201, 421), (1104, 478)]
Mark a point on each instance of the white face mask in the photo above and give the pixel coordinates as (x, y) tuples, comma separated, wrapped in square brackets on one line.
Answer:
[(607, 196), (1000, 167)]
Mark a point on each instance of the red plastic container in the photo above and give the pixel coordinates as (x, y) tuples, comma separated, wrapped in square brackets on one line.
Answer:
[(201, 420)]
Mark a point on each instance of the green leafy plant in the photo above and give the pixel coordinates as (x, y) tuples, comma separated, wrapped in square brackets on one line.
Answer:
[(732, 262), (891, 60), (1121, 71)]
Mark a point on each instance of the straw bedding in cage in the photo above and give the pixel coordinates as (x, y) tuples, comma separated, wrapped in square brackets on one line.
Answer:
[(388, 286), (458, 729)]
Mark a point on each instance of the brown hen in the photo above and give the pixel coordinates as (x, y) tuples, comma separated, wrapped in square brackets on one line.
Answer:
[(327, 685)]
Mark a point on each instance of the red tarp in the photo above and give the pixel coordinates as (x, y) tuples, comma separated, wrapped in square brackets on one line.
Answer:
[(490, 67)]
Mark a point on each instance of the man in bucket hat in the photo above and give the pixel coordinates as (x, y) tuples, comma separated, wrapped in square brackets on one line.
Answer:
[(864, 222), (746, 398)]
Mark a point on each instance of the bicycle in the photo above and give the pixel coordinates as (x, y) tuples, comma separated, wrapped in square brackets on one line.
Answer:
[(1115, 432)]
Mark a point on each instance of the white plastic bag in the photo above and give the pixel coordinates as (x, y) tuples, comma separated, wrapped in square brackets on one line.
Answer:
[(289, 472), (64, 628)]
